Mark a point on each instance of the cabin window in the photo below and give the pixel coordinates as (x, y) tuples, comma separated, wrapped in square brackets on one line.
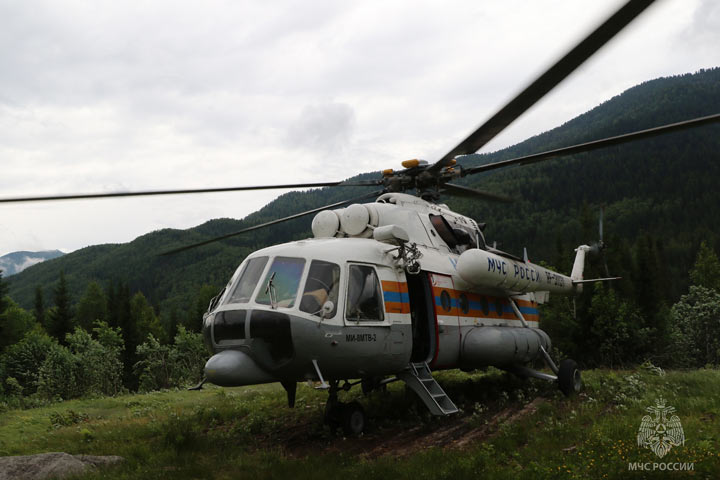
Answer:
[(445, 301), (364, 301), (499, 307), (485, 306), (247, 280), (282, 281), (464, 304), (322, 285)]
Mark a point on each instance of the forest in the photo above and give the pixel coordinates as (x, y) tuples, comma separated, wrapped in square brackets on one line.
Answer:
[(111, 318)]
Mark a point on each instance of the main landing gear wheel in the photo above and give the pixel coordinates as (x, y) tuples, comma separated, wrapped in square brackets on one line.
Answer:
[(348, 416), (569, 379), (353, 419)]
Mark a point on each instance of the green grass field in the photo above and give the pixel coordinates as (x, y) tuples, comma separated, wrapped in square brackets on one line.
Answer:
[(507, 428)]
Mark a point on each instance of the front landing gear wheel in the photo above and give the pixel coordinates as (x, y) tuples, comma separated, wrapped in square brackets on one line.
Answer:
[(353, 419), (569, 378)]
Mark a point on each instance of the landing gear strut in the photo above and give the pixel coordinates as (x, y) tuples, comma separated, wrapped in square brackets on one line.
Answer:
[(348, 416)]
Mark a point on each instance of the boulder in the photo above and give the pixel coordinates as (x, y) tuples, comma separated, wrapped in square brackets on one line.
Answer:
[(51, 465)]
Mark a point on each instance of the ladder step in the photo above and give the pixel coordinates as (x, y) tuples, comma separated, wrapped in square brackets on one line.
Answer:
[(419, 378)]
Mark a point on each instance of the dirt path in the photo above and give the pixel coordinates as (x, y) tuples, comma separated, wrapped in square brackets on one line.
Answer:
[(455, 432)]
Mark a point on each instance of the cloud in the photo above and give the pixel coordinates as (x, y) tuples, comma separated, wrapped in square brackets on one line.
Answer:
[(326, 128), (135, 95)]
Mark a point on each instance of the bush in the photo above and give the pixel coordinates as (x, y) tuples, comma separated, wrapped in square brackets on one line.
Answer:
[(154, 367), (695, 328), (187, 357), (57, 378), (23, 360), (85, 367), (164, 366)]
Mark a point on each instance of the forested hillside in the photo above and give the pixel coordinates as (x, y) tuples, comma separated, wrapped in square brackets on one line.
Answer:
[(660, 199)]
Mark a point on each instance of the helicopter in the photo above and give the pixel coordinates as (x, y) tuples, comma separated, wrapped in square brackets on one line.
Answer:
[(401, 286)]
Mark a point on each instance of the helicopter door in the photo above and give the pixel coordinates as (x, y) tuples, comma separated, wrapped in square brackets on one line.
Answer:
[(378, 310), (424, 337), (445, 305)]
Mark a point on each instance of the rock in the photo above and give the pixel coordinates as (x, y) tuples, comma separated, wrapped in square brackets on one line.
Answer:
[(51, 465)]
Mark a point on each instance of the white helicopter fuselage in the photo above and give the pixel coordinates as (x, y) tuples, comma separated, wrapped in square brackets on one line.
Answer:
[(381, 286)]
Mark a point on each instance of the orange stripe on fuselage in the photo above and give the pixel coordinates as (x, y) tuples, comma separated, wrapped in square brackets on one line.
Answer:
[(390, 286), (399, 288), (475, 300)]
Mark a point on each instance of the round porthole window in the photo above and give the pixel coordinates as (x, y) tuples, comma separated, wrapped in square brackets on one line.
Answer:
[(499, 307), (464, 303), (445, 301), (485, 306)]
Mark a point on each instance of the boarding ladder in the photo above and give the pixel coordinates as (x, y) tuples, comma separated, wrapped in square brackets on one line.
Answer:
[(418, 377)]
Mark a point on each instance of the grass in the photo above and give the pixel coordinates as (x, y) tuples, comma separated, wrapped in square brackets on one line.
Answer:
[(250, 433)]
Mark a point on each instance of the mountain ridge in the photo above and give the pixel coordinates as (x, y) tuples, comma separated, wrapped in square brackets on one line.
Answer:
[(15, 262)]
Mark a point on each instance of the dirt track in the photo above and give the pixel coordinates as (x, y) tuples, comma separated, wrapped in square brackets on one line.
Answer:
[(455, 432)]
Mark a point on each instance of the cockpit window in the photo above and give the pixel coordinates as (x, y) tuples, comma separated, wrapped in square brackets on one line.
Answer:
[(364, 302), (322, 285), (285, 273), (248, 279), (457, 239)]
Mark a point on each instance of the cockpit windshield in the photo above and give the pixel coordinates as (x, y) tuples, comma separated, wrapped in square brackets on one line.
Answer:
[(280, 286), (247, 280)]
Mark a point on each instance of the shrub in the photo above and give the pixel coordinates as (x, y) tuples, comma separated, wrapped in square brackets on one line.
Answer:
[(84, 367), (695, 328), (164, 366), (22, 361)]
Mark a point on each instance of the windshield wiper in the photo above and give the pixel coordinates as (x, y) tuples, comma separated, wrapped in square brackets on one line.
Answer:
[(270, 291)]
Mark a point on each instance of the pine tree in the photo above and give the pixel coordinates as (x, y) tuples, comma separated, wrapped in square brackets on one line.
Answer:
[(706, 271), (39, 311), (92, 306), (61, 321), (3, 293), (144, 318)]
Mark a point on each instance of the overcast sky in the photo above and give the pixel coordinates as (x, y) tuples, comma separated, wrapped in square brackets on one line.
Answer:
[(133, 95)]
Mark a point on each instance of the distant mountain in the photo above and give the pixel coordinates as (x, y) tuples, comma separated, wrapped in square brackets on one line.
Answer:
[(16, 262), (660, 195)]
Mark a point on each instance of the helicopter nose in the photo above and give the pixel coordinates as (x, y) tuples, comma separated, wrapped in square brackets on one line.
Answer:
[(233, 368)]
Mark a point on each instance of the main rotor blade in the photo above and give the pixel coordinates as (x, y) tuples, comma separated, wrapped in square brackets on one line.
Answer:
[(595, 144), (79, 196), (273, 222), (546, 82), (462, 191)]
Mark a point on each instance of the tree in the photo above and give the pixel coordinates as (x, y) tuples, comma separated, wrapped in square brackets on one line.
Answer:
[(85, 367), (696, 328), (92, 306), (144, 318), (706, 271), (163, 366), (3, 293), (15, 322), (39, 311), (193, 321), (22, 361), (60, 321), (617, 329)]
